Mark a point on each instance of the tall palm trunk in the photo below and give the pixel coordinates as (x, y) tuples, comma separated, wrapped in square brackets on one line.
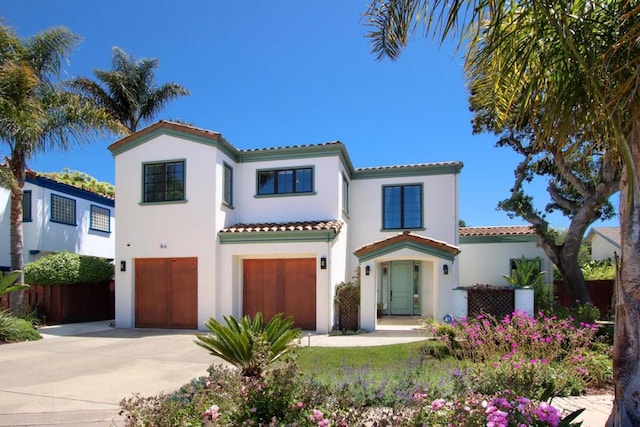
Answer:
[(626, 354), (18, 166)]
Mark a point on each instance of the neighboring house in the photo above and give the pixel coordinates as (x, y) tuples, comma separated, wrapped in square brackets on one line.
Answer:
[(488, 253), (206, 230), (604, 241), (58, 217)]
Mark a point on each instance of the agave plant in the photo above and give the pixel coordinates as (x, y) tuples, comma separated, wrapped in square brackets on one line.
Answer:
[(250, 345)]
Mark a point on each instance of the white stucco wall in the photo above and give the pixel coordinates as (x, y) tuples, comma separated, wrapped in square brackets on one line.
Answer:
[(485, 263), (5, 205), (602, 249), (440, 206), (167, 230)]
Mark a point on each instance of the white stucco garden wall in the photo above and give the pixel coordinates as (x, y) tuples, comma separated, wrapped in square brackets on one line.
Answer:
[(485, 263)]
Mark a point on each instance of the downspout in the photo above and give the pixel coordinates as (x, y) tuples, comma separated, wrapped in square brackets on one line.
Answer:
[(330, 300)]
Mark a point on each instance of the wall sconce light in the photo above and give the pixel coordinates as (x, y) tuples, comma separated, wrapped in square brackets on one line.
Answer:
[(445, 269), (323, 263), (123, 265), (367, 270)]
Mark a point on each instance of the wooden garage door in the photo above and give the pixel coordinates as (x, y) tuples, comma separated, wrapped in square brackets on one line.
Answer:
[(286, 286), (166, 292)]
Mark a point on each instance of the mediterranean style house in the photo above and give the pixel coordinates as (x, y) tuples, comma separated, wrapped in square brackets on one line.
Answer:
[(58, 217), (207, 230)]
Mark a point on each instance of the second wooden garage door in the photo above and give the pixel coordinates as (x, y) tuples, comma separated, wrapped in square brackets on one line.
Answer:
[(166, 293), (286, 286)]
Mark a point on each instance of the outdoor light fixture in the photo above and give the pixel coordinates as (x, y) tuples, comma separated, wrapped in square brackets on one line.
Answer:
[(323, 263), (123, 265), (367, 270), (445, 269)]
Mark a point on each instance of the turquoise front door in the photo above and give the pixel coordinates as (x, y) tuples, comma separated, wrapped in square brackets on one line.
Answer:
[(401, 292)]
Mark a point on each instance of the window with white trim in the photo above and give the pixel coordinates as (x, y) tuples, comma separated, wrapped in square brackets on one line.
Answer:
[(63, 210), (100, 219)]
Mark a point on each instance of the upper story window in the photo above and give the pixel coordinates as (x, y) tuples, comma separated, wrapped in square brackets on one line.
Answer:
[(100, 219), (402, 206), (285, 181), (26, 206), (63, 210), (345, 194), (228, 185), (163, 182)]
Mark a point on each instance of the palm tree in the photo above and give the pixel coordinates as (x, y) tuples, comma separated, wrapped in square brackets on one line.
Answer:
[(36, 115), (566, 64), (129, 91)]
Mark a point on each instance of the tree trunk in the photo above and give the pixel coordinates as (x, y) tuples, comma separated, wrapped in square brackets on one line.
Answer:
[(574, 280), (18, 166), (626, 350)]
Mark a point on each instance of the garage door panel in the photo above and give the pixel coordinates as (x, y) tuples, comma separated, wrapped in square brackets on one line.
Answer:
[(300, 292), (286, 286), (166, 293), (183, 312)]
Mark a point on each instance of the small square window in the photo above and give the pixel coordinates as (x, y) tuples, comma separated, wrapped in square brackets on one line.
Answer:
[(63, 210), (163, 182), (100, 219), (402, 206)]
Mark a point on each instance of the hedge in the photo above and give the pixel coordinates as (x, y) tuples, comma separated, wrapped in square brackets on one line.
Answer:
[(66, 268)]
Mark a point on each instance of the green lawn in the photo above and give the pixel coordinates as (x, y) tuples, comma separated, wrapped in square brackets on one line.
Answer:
[(334, 365)]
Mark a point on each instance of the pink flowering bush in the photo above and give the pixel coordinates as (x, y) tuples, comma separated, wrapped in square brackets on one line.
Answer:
[(504, 409), (528, 354)]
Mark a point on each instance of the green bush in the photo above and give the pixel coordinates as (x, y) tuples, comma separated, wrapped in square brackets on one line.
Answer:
[(14, 329), (598, 270), (66, 268)]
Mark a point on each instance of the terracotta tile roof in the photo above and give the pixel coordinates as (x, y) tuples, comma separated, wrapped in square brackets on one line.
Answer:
[(285, 147), (326, 225), (406, 236), (509, 230), (410, 166), (169, 125)]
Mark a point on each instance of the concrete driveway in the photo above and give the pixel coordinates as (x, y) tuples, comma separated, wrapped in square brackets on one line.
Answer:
[(79, 380)]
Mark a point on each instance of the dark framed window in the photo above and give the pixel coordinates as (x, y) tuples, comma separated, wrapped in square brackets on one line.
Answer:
[(345, 194), (285, 181), (402, 206), (228, 185), (164, 182), (100, 219), (26, 206), (63, 210)]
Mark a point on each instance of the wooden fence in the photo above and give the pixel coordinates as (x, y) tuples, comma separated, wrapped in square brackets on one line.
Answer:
[(600, 291), (78, 302)]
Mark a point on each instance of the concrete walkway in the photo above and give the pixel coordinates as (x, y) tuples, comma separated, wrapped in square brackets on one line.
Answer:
[(78, 374)]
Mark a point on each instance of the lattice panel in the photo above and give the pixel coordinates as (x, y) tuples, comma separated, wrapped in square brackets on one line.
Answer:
[(348, 309), (495, 302)]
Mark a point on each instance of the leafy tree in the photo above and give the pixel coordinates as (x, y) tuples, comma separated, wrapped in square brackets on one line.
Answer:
[(37, 114), (128, 91), (560, 64), (82, 180), (580, 184), (250, 344)]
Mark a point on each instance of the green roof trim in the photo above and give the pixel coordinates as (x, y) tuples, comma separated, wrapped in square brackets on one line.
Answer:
[(278, 237), (218, 142), (428, 250), (409, 170), (498, 239)]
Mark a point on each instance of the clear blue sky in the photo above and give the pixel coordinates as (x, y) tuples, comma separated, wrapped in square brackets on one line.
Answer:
[(287, 72)]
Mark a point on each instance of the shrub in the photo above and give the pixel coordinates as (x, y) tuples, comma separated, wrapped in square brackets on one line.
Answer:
[(598, 270), (8, 282), (14, 329), (66, 268), (250, 345)]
